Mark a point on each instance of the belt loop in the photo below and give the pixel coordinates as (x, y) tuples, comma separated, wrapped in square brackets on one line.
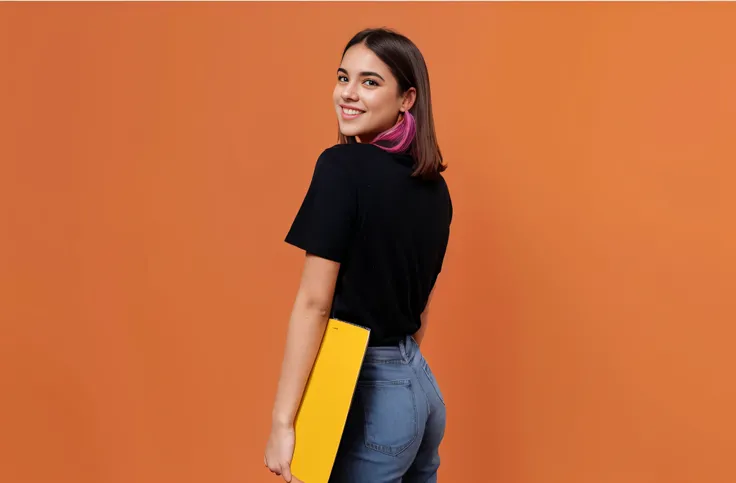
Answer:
[(404, 352)]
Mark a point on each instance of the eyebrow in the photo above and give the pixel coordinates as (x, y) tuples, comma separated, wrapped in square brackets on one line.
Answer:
[(364, 74)]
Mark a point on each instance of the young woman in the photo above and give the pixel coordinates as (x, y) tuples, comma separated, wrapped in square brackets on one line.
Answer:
[(374, 225)]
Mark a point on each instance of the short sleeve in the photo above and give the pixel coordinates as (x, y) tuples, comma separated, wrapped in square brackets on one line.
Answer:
[(324, 223)]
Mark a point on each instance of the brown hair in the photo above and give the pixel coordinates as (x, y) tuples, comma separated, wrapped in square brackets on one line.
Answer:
[(408, 67)]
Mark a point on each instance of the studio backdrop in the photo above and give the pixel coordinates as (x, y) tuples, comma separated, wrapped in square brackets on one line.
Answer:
[(153, 155)]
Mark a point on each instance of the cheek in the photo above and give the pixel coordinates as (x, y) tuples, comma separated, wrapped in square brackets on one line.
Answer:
[(378, 104), (383, 111)]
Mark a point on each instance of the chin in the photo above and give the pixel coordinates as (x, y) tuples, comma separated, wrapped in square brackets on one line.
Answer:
[(347, 131)]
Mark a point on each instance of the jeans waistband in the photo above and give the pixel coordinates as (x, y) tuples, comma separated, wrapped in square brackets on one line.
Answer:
[(404, 352)]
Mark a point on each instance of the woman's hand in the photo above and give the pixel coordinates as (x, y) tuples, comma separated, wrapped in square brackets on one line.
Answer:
[(280, 450)]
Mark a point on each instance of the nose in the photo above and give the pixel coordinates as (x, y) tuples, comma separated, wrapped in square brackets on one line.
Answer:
[(349, 93)]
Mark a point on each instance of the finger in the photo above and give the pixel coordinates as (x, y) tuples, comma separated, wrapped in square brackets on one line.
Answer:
[(286, 471), (274, 469)]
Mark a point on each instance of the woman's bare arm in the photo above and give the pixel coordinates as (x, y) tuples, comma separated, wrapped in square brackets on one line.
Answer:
[(307, 324)]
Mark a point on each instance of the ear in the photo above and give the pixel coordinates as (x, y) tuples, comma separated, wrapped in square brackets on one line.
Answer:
[(408, 99)]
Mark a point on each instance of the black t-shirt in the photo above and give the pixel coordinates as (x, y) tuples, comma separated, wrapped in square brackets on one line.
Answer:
[(387, 229)]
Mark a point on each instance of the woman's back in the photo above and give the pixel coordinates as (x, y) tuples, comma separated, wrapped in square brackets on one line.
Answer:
[(388, 230)]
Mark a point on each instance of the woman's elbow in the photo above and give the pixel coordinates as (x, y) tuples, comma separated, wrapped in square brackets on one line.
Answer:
[(314, 304)]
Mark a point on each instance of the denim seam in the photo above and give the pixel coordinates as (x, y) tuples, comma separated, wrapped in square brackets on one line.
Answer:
[(421, 386), (433, 382), (384, 361), (392, 382)]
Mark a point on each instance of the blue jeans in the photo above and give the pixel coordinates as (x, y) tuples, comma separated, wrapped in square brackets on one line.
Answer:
[(396, 421)]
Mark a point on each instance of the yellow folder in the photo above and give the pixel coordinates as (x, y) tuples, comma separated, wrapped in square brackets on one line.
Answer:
[(321, 417)]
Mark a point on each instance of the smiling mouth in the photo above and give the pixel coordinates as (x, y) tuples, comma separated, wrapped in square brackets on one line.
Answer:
[(351, 112)]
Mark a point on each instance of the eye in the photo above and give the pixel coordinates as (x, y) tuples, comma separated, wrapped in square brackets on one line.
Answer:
[(371, 82), (342, 78)]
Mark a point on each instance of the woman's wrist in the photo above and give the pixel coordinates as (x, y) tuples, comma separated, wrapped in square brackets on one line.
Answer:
[(279, 420)]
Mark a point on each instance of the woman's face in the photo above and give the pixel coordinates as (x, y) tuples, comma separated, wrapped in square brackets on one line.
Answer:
[(366, 97)]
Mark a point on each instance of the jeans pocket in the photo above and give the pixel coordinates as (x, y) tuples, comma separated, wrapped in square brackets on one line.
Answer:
[(432, 380), (390, 415)]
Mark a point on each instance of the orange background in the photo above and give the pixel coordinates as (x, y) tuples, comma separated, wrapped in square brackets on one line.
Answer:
[(153, 156)]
